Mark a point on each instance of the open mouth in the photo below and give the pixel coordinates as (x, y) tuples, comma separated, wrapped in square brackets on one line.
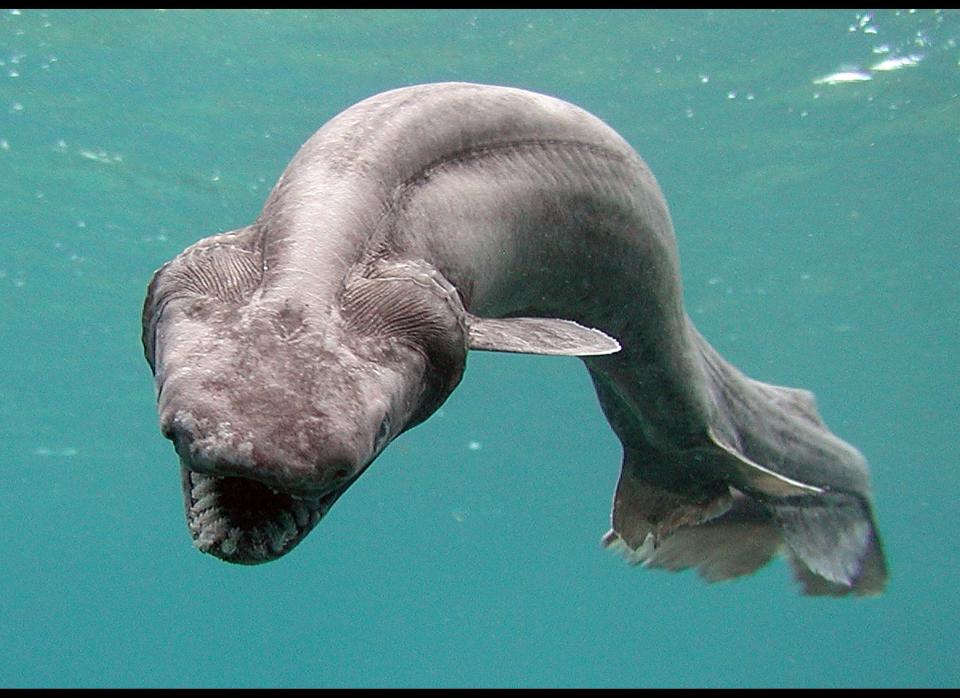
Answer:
[(245, 522)]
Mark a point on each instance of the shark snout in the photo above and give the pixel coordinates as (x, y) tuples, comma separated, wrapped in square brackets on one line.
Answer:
[(290, 458)]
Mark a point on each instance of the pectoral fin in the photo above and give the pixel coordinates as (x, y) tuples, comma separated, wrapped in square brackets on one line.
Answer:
[(527, 335)]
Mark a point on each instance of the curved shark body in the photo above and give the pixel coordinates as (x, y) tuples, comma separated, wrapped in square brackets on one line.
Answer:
[(429, 220)]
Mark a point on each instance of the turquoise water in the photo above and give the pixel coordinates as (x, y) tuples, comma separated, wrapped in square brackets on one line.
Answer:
[(817, 219)]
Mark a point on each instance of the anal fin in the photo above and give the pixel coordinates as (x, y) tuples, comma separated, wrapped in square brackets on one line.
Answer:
[(740, 541), (646, 511)]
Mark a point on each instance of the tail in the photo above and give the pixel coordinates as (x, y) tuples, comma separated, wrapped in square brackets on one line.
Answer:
[(832, 547), (772, 478)]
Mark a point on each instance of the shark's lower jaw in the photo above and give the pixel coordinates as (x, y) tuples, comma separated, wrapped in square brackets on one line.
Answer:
[(245, 522)]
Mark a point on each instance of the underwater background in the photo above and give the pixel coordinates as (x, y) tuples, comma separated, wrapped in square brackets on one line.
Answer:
[(811, 160)]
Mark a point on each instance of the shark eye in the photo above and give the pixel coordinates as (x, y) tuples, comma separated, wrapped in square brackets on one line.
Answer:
[(382, 433)]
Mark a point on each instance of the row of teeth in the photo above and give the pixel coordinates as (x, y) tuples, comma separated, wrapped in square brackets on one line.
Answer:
[(211, 528)]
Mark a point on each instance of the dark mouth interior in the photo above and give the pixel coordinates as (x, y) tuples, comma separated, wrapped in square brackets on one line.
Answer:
[(250, 503), (244, 521)]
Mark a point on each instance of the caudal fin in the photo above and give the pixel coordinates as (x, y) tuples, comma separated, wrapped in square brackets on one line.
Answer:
[(766, 475), (829, 539), (833, 544)]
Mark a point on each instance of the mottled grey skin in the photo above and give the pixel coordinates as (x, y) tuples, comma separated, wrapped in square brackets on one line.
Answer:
[(429, 220)]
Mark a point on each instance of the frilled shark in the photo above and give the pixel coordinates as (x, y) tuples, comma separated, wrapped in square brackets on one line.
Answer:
[(430, 220)]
